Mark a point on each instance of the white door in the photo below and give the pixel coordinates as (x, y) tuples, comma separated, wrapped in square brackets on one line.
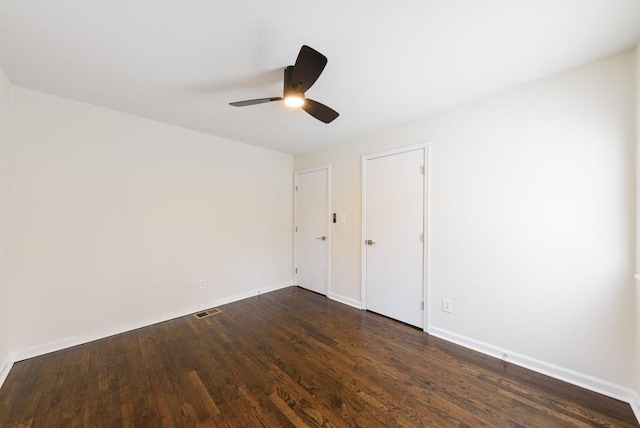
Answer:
[(312, 226), (394, 234)]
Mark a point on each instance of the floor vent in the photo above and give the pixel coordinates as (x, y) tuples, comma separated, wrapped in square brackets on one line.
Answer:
[(206, 313)]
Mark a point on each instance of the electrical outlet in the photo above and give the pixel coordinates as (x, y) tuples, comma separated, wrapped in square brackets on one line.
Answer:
[(447, 306), (203, 283)]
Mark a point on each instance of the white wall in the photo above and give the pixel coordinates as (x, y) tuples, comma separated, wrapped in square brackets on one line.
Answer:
[(637, 70), (115, 218), (532, 224), (5, 102)]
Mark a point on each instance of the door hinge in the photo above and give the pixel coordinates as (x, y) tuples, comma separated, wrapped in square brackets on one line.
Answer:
[(422, 170), (296, 229), (296, 270), (422, 305), (296, 188)]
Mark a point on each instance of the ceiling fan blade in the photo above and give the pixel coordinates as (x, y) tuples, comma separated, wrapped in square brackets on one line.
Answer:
[(308, 67), (256, 101), (319, 111)]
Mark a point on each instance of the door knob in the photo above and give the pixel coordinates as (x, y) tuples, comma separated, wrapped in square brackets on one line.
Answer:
[(370, 242), (323, 238)]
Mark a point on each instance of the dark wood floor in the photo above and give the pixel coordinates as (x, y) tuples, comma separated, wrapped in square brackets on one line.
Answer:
[(289, 358)]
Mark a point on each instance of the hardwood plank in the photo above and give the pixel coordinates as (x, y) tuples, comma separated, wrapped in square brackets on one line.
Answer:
[(290, 358), (23, 400), (209, 406)]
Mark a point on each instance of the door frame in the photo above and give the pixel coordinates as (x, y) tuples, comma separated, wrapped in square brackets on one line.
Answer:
[(327, 219), (426, 146)]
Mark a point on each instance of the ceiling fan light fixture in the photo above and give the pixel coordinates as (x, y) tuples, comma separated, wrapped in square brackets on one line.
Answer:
[(295, 100)]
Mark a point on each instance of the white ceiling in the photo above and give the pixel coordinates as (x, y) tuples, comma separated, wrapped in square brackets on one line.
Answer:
[(182, 62)]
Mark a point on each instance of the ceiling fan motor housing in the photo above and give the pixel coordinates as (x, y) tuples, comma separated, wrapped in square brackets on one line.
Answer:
[(290, 88)]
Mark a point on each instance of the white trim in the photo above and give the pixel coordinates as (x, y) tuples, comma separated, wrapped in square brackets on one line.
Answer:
[(5, 368), (363, 235), (329, 225), (426, 322), (579, 379), (80, 339), (426, 148), (635, 405), (346, 300), (327, 284), (635, 399), (397, 150), (567, 375)]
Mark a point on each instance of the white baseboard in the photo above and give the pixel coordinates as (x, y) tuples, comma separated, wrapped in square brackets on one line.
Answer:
[(5, 368), (635, 402), (635, 405), (80, 339), (570, 376), (579, 379), (345, 300)]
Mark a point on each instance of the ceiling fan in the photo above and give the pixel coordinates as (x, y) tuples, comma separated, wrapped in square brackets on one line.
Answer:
[(298, 79)]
